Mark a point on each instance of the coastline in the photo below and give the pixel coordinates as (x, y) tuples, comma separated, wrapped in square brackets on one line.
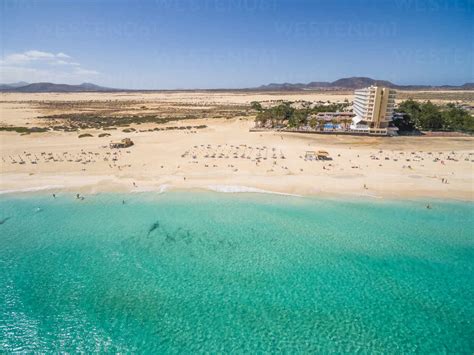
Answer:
[(224, 155), (110, 184)]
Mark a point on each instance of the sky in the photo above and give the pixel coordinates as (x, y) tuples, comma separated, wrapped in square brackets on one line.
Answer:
[(186, 44)]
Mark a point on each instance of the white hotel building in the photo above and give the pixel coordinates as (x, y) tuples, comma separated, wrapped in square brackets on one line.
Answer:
[(373, 107)]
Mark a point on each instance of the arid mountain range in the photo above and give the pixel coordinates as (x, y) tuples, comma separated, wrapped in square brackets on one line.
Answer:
[(341, 84)]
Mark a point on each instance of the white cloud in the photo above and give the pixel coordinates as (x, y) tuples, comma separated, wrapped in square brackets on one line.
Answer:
[(31, 56), (62, 55), (39, 55), (63, 62), (81, 71), (34, 65)]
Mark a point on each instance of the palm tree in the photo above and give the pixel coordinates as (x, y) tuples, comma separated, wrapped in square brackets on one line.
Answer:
[(321, 123), (347, 123), (313, 123)]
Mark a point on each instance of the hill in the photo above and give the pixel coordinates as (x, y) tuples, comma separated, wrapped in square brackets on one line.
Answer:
[(13, 85), (51, 87), (353, 83)]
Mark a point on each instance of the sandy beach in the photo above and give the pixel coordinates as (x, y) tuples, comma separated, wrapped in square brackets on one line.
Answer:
[(224, 156)]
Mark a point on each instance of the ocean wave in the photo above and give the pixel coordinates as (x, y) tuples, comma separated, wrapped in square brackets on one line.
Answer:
[(161, 189), (32, 189), (245, 189)]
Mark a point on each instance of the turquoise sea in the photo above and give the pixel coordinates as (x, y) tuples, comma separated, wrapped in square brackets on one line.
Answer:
[(187, 272)]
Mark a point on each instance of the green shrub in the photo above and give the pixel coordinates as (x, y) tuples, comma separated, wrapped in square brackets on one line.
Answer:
[(24, 130), (428, 116)]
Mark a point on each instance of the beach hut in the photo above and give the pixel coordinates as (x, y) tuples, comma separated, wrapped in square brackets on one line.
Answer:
[(310, 155), (323, 155), (124, 143)]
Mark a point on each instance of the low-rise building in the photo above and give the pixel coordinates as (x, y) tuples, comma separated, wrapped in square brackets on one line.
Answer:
[(330, 116)]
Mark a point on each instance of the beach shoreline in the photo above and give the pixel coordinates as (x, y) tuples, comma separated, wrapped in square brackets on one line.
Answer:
[(100, 185)]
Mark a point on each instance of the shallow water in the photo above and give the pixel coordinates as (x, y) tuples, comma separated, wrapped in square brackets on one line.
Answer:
[(191, 272)]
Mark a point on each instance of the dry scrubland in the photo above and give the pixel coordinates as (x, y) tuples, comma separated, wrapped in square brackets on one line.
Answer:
[(202, 140)]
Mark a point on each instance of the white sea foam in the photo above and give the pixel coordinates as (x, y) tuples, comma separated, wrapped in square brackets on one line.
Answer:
[(32, 189), (245, 189), (161, 189)]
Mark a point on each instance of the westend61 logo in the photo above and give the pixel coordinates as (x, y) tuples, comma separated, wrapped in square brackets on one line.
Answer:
[(338, 29), (240, 56), (19, 4), (441, 56), (217, 5), (99, 29), (435, 5)]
